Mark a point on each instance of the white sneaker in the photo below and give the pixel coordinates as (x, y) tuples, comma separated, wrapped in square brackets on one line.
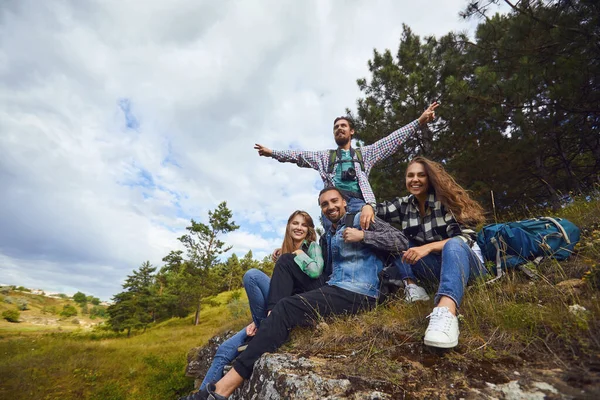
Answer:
[(414, 293), (442, 330)]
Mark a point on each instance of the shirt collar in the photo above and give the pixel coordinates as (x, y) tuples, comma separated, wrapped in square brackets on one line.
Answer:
[(429, 202)]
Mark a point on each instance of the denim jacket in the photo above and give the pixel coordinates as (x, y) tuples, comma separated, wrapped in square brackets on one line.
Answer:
[(355, 266)]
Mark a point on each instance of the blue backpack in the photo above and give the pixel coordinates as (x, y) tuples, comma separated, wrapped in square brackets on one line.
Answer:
[(513, 244)]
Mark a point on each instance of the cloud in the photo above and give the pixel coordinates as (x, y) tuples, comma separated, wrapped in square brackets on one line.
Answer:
[(120, 122)]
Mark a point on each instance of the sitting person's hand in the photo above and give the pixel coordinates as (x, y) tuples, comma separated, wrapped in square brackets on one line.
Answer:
[(414, 254), (353, 235), (251, 329), (367, 215), (276, 254)]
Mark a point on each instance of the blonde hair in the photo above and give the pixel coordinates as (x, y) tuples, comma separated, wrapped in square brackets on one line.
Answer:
[(453, 196), (311, 235)]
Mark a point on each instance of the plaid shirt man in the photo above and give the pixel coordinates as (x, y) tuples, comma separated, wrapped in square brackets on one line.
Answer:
[(437, 224), (372, 154)]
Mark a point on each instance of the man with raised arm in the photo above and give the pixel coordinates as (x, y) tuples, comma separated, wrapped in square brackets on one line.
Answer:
[(347, 168), (353, 286)]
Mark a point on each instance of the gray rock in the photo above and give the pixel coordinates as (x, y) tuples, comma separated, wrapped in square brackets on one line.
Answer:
[(286, 376), (200, 358)]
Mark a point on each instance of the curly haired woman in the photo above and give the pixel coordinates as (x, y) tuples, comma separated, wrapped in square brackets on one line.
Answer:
[(439, 219)]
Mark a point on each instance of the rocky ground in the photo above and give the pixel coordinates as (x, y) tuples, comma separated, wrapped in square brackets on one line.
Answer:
[(418, 373)]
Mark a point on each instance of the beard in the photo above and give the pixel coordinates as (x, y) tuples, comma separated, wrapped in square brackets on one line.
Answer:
[(341, 141)]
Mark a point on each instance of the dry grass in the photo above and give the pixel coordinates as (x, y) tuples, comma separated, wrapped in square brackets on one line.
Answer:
[(514, 324)]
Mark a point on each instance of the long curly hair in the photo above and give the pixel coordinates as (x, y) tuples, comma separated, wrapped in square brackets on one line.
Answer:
[(311, 235), (453, 196)]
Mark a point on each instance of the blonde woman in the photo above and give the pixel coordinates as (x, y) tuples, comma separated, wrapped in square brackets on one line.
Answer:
[(298, 269)]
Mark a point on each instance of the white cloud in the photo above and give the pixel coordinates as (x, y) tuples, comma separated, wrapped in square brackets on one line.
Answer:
[(85, 199)]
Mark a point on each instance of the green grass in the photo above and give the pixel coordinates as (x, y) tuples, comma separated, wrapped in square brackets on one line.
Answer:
[(99, 365)]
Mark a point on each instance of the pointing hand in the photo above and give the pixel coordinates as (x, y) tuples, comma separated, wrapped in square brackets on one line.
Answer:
[(263, 151)]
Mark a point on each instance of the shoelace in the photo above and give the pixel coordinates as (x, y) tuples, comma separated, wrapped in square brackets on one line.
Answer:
[(439, 322)]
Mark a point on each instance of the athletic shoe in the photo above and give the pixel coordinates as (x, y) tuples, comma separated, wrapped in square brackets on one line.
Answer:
[(413, 292), (443, 330), (208, 393)]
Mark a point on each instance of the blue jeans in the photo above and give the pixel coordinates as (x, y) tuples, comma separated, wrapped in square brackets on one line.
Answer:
[(256, 284), (354, 205), (452, 268)]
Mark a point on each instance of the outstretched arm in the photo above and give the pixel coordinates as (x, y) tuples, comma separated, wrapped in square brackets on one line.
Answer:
[(383, 148), (305, 159)]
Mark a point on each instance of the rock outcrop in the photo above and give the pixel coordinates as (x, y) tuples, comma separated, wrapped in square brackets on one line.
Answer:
[(286, 376), (200, 358), (281, 376)]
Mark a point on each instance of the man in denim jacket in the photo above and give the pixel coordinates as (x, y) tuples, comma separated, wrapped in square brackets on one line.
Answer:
[(353, 286)]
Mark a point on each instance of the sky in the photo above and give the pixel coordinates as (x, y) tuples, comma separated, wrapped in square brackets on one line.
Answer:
[(120, 120)]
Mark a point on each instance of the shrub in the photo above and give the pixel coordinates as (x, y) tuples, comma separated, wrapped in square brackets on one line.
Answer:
[(98, 311), (210, 302), (11, 315), (80, 298), (235, 296), (9, 300), (238, 308), (68, 311), (22, 305), (4, 289), (23, 289)]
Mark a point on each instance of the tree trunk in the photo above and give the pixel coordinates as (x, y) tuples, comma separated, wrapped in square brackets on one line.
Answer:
[(197, 316)]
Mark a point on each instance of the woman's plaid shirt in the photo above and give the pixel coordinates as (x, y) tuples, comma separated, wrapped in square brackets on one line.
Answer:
[(437, 224)]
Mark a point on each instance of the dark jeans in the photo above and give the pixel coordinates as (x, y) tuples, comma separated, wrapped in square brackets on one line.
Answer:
[(288, 279), (302, 309)]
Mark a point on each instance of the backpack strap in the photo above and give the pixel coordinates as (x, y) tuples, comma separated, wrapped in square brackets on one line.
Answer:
[(349, 221), (332, 157), (336, 154), (565, 235), (359, 157)]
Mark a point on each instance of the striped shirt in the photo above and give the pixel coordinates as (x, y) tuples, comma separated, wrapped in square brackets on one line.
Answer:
[(372, 154), (437, 224)]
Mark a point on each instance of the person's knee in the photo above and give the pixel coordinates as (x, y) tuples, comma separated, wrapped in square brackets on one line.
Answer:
[(455, 244), (250, 276), (284, 308), (284, 262)]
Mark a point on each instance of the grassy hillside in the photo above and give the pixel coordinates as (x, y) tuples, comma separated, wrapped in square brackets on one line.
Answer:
[(42, 314), (49, 364), (514, 325)]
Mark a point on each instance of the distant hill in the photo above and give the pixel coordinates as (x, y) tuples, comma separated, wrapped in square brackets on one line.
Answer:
[(39, 312)]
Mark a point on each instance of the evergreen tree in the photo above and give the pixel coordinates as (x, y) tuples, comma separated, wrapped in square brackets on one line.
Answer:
[(136, 307), (203, 249)]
